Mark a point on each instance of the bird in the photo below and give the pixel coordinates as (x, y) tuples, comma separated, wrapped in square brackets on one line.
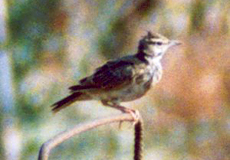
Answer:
[(124, 79)]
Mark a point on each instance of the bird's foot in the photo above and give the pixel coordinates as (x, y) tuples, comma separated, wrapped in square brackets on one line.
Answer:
[(134, 113)]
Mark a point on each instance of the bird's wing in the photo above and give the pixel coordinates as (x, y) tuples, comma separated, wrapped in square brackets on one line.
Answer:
[(112, 75)]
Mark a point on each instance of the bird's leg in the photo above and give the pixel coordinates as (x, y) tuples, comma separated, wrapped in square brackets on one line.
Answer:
[(135, 113)]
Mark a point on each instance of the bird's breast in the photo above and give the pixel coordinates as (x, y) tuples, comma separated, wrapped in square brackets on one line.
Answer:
[(154, 69)]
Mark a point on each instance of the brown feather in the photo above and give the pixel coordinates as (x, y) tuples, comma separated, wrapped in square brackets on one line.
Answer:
[(81, 87), (66, 102)]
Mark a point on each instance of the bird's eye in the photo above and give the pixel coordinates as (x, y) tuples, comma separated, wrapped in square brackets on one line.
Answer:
[(152, 43), (156, 43), (159, 43)]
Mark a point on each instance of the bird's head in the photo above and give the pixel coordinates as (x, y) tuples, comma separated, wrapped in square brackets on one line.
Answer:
[(155, 44)]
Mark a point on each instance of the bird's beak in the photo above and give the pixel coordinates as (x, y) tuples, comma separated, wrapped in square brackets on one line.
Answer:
[(174, 43)]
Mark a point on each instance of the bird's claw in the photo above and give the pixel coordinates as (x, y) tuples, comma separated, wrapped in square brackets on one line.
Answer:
[(134, 113)]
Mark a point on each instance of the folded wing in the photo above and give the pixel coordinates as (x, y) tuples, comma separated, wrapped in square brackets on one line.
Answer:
[(112, 75)]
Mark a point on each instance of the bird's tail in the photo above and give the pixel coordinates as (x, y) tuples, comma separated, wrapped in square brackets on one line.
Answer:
[(66, 101)]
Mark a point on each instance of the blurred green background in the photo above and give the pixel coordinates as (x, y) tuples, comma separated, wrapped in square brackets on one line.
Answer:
[(48, 45)]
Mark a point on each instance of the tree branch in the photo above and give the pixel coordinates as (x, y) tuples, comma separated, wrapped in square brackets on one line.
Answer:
[(63, 136)]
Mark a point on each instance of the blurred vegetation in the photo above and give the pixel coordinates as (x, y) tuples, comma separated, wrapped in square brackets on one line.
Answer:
[(54, 43)]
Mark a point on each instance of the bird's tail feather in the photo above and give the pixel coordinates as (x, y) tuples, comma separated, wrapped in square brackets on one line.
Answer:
[(66, 101)]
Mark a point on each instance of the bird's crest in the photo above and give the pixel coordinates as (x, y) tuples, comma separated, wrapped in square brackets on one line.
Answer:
[(153, 35)]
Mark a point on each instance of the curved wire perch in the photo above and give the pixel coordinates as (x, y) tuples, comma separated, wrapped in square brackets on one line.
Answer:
[(63, 136)]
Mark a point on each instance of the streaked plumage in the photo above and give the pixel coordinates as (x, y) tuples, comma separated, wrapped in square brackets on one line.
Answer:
[(124, 79)]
